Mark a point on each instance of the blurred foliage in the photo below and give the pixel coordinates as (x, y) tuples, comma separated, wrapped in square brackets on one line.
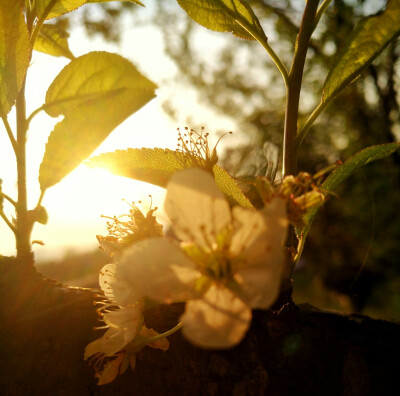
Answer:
[(353, 246)]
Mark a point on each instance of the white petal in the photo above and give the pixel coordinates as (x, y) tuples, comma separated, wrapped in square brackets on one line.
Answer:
[(259, 236), (277, 221), (157, 268), (92, 349), (258, 285), (127, 318), (115, 340), (218, 320), (250, 239), (116, 289), (111, 370), (258, 247), (197, 209)]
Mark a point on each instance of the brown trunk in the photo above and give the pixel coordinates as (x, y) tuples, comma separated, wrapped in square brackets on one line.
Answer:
[(297, 350)]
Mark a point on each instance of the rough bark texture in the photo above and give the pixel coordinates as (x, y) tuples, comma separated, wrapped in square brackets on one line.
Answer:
[(296, 350)]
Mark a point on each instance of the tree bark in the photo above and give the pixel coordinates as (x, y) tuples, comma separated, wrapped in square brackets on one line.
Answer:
[(296, 350)]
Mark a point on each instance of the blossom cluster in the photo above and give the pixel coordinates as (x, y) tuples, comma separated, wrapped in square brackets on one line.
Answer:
[(222, 262)]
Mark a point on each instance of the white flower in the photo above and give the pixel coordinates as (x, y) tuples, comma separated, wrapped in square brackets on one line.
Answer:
[(229, 261), (117, 290), (108, 366), (116, 349), (124, 324)]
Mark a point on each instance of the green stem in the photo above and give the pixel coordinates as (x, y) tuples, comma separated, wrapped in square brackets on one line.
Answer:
[(164, 335), (290, 145), (278, 62), (42, 192), (320, 12), (35, 112), (9, 199), (264, 42), (41, 21), (306, 127), (294, 86), (23, 224)]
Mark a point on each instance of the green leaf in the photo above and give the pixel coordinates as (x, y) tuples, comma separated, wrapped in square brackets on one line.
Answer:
[(156, 166), (366, 42), (107, 1), (91, 77), (230, 188), (54, 8), (15, 53), (233, 16), (360, 159), (52, 40), (95, 92), (342, 172)]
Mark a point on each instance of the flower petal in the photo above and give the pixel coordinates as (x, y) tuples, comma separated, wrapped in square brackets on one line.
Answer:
[(116, 289), (218, 320), (115, 340), (157, 268), (259, 235), (93, 348), (127, 318), (258, 246), (196, 207), (111, 370), (258, 285), (124, 364)]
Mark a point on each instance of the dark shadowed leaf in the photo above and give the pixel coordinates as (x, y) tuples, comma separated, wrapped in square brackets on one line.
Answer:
[(360, 159), (233, 16), (366, 42), (15, 52), (341, 173)]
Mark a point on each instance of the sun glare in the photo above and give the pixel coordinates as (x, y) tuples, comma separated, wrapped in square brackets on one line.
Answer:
[(75, 205)]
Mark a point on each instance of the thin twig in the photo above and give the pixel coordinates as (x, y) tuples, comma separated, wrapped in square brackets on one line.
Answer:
[(40, 198), (306, 127), (321, 11), (9, 130), (9, 199), (38, 110), (41, 21), (278, 62), (8, 222)]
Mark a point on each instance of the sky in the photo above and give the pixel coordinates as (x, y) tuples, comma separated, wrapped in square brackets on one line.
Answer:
[(75, 205)]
